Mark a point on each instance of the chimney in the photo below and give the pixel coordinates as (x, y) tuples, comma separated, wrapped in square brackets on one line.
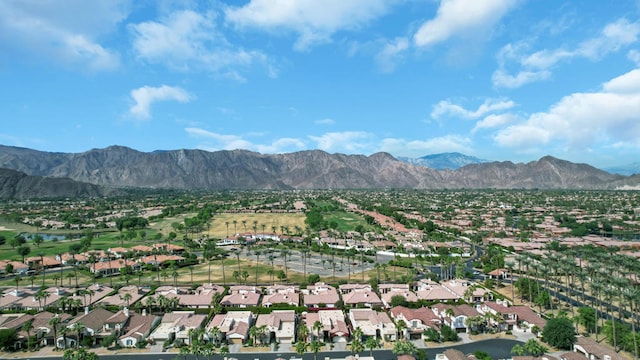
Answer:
[(144, 312), (126, 312), (86, 310)]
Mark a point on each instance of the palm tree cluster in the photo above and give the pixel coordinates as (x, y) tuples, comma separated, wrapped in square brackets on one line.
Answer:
[(602, 279)]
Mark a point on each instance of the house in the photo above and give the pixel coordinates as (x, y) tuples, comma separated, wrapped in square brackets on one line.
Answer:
[(72, 259), (595, 351), (362, 298), (125, 296), (15, 322), (233, 326), (455, 316), (43, 331), (93, 323), (112, 267), (176, 325), (280, 325), (161, 260), (201, 297), (406, 294), (499, 274), (18, 267), (132, 327), (38, 300), (93, 294), (453, 354), (289, 298), (320, 295), (373, 323), (417, 321), (333, 326), (429, 290), (41, 262), (242, 297), (503, 317), (170, 248)]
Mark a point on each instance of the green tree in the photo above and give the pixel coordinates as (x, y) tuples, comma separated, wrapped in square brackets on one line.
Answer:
[(535, 348), (372, 343), (404, 347), (8, 338), (315, 346), (301, 347), (79, 354), (560, 333), (587, 318), (23, 250)]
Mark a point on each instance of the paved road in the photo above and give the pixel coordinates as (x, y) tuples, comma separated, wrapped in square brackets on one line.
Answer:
[(496, 348)]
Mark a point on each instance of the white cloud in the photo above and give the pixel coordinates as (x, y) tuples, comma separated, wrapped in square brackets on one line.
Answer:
[(66, 34), (325, 121), (234, 142), (634, 55), (391, 53), (347, 141), (314, 21), (495, 120), (446, 107), (461, 18), (414, 148), (145, 96), (536, 66), (583, 120), (186, 40)]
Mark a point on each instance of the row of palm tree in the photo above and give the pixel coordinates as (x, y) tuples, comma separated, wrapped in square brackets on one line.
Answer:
[(603, 279)]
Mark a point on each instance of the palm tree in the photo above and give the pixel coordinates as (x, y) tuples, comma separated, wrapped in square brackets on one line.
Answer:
[(78, 327), (315, 346), (372, 343), (257, 253), (301, 347), (610, 295), (284, 253), (631, 296), (401, 326), (27, 327), (54, 322), (317, 329)]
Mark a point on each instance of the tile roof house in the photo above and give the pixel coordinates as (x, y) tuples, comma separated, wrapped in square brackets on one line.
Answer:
[(432, 291), (416, 320), (176, 325), (112, 267), (455, 316), (333, 325), (234, 325), (43, 331), (242, 297), (133, 327), (201, 297), (595, 351), (373, 323), (94, 323), (121, 298), (320, 294), (453, 354), (281, 325), (407, 294), (18, 267), (366, 298)]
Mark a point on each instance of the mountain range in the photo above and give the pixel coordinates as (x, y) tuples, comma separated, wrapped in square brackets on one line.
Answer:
[(442, 161), (122, 167)]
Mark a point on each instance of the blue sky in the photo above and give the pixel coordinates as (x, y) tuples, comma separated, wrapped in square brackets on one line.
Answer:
[(498, 79)]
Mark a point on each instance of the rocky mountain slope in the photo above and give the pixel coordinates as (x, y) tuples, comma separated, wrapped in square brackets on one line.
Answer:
[(18, 185), (118, 166), (442, 161)]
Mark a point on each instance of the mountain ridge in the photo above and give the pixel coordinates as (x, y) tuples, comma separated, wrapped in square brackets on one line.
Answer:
[(194, 169), (442, 161)]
